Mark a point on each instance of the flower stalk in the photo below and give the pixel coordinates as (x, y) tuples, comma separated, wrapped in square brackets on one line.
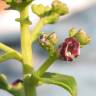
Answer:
[(37, 30), (47, 64), (9, 53), (26, 53)]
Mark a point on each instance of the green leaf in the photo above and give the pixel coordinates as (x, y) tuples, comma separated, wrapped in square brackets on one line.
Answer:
[(67, 82)]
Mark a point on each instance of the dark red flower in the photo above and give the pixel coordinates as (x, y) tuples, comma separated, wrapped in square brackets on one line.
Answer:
[(69, 49)]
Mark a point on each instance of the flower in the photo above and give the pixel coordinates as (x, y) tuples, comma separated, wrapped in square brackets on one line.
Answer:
[(69, 49)]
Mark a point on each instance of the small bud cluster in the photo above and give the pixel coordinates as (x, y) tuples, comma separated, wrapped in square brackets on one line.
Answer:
[(80, 36), (17, 4), (50, 14), (70, 48)]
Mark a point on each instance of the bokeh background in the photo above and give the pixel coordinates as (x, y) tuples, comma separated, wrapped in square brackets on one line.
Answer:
[(82, 15)]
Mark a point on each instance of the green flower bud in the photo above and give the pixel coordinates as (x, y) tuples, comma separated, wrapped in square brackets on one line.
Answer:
[(17, 4), (40, 10), (72, 32), (51, 18), (82, 37), (59, 7), (47, 10), (3, 82), (48, 42)]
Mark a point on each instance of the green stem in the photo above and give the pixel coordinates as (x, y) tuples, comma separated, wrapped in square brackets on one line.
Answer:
[(26, 52), (46, 65), (37, 30), (9, 53)]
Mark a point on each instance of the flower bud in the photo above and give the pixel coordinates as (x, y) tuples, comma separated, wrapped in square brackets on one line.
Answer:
[(69, 49), (53, 38), (59, 7), (17, 4), (82, 37), (52, 18), (72, 32), (48, 41), (40, 10)]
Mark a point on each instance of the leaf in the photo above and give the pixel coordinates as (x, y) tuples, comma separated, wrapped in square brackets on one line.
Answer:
[(67, 82)]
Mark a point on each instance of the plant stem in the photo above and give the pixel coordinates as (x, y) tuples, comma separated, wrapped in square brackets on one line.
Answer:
[(7, 49), (46, 65), (26, 52), (9, 53), (37, 30)]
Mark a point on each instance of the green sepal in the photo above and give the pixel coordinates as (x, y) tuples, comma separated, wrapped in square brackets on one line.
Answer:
[(72, 32), (64, 81), (59, 7), (82, 37), (25, 20), (3, 82)]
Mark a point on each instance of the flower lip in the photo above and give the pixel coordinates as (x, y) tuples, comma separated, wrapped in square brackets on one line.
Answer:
[(69, 49)]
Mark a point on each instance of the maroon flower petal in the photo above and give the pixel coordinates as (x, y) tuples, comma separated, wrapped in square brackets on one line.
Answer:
[(69, 49)]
